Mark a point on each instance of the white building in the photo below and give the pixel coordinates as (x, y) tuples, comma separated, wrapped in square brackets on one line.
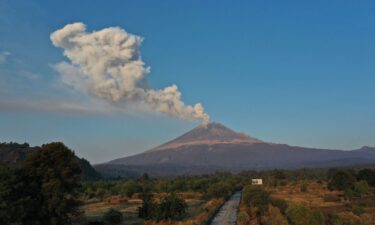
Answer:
[(256, 181)]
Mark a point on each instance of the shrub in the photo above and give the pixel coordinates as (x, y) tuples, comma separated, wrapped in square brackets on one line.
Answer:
[(219, 190), (361, 188), (113, 216), (256, 197), (274, 217), (348, 194), (279, 203), (334, 219), (131, 187), (171, 207), (367, 175), (358, 210), (341, 180), (301, 215)]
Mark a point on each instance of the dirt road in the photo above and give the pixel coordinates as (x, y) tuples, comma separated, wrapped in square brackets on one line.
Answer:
[(228, 213)]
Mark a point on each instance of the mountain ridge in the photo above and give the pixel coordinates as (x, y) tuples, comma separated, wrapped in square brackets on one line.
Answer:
[(218, 148)]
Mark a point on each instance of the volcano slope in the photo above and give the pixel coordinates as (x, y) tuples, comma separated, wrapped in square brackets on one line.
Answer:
[(214, 147)]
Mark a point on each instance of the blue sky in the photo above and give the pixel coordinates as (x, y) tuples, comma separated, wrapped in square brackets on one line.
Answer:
[(282, 71)]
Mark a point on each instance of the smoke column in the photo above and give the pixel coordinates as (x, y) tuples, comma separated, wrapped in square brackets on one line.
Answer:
[(107, 64)]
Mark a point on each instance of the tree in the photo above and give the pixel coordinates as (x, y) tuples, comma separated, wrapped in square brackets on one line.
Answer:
[(367, 175), (148, 208), (256, 197), (278, 174), (171, 207), (112, 217), (9, 207), (279, 203), (51, 180), (219, 190), (341, 180), (131, 187)]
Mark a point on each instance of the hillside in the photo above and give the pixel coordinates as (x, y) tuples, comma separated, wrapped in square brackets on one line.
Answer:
[(214, 147), (14, 153)]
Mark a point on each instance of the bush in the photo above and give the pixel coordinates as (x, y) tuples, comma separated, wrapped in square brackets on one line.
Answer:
[(256, 197), (219, 190), (341, 180), (361, 188), (367, 175), (279, 203), (334, 219), (301, 215), (348, 194), (275, 217), (358, 210), (113, 216), (171, 207), (131, 187)]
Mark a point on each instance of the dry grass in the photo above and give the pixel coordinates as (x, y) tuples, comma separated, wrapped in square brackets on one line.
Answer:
[(319, 197), (315, 195)]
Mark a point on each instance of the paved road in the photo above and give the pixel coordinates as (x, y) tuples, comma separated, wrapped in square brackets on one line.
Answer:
[(228, 213)]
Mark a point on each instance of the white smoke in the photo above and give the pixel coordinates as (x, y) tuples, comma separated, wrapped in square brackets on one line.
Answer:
[(107, 64)]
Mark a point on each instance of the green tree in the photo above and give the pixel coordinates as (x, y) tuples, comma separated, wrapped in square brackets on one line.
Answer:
[(256, 197), (219, 190), (171, 207), (279, 203), (341, 180), (112, 217), (131, 187), (148, 208), (367, 175), (9, 200), (51, 179)]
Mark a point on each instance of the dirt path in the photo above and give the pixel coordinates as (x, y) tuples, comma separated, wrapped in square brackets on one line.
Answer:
[(228, 213)]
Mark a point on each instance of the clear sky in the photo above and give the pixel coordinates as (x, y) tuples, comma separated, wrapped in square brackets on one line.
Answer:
[(294, 72)]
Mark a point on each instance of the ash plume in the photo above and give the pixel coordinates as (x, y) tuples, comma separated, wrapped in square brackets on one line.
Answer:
[(107, 64)]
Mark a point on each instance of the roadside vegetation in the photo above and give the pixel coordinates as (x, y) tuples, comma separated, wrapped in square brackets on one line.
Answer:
[(311, 197), (47, 188)]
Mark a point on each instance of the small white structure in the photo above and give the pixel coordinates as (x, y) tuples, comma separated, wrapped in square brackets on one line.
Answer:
[(256, 181)]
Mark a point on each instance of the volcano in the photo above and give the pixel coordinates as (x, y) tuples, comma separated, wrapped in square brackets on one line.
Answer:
[(214, 147), (210, 134)]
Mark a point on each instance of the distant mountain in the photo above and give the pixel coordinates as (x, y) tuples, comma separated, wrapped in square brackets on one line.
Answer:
[(13, 154), (210, 134), (214, 147)]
